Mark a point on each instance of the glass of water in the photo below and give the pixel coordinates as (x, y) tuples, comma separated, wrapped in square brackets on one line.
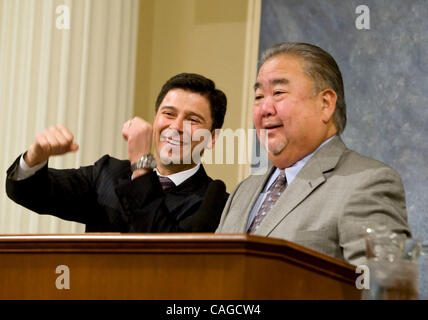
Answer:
[(393, 265), (396, 280)]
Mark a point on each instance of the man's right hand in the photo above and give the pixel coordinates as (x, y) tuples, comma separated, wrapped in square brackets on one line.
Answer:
[(53, 141)]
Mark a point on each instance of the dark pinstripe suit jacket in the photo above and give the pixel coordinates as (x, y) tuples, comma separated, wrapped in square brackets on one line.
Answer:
[(104, 197)]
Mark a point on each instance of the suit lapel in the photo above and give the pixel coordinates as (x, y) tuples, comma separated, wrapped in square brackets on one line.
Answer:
[(195, 183), (192, 188), (308, 179), (246, 198)]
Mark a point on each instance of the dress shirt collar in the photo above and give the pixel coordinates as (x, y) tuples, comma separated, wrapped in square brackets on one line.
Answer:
[(291, 172), (179, 177)]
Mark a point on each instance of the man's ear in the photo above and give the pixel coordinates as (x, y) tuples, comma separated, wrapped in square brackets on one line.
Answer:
[(328, 104), (214, 135)]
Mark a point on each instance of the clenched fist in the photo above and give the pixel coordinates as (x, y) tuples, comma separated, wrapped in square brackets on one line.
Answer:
[(139, 134), (53, 141)]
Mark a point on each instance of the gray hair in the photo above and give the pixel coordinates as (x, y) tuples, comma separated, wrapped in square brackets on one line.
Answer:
[(321, 67)]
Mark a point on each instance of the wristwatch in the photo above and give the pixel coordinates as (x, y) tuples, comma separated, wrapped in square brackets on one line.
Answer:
[(146, 162)]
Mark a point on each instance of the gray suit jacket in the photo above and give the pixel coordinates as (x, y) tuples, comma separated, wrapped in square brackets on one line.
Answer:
[(327, 205)]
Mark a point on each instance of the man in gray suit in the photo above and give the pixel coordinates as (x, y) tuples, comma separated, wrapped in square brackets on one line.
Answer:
[(318, 193)]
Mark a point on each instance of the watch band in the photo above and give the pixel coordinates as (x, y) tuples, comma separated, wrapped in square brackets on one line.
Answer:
[(146, 162)]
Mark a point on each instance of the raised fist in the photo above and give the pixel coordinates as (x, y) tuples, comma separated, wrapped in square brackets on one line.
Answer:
[(138, 133), (56, 140)]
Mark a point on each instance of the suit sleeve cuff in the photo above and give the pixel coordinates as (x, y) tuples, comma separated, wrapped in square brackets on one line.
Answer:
[(19, 170), (23, 171)]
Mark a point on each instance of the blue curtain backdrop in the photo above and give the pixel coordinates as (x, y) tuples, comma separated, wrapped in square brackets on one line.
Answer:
[(385, 72)]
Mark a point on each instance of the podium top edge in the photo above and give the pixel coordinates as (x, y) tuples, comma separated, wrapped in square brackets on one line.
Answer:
[(106, 241), (130, 237)]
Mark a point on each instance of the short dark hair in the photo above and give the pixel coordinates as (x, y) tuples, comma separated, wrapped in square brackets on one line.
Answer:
[(199, 84), (321, 68)]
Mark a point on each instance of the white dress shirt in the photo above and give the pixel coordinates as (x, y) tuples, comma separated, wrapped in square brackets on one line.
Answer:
[(179, 177)]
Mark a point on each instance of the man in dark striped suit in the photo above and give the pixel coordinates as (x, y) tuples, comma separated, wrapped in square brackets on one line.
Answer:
[(168, 191)]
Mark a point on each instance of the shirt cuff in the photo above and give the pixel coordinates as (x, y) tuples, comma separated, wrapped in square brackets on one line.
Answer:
[(24, 171)]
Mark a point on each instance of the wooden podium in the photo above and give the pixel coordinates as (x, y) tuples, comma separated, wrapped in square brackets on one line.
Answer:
[(168, 266)]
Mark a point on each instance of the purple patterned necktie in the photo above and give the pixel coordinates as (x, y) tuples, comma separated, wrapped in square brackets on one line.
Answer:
[(273, 194), (166, 183)]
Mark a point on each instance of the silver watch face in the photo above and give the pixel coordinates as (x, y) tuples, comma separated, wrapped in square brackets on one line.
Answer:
[(146, 162)]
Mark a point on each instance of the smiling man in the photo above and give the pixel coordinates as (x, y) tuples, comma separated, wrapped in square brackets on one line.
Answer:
[(318, 193), (168, 191)]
